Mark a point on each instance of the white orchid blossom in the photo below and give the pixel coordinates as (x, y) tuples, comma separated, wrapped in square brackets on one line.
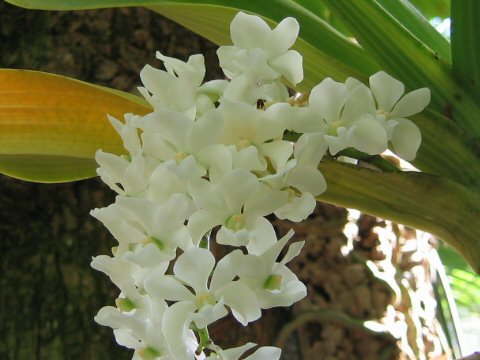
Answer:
[(176, 88), (208, 299), (213, 160)]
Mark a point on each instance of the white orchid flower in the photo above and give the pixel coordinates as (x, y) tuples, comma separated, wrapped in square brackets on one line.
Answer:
[(236, 202), (393, 105), (156, 231), (260, 53), (204, 300), (271, 281), (176, 88), (252, 135)]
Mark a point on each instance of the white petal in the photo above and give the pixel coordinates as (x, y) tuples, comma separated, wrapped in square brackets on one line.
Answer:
[(386, 89), (339, 142), (248, 159), (327, 99), (262, 236), (226, 57), (307, 178), (293, 251), (175, 328), (248, 31), (304, 120), (264, 202), (206, 195), (206, 130), (266, 352), (124, 337), (235, 353), (278, 152), (297, 209), (310, 149), (208, 314), (226, 270), (149, 256), (272, 122), (240, 88), (368, 135), (242, 300), (406, 139), (194, 267), (166, 287), (270, 256), (155, 80), (359, 102), (244, 183), (200, 223), (217, 159), (282, 37), (412, 103), (289, 65), (114, 165), (229, 237)]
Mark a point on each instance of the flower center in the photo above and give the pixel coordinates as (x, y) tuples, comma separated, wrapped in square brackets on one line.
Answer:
[(153, 240), (236, 222), (273, 282), (179, 156), (243, 143), (204, 298), (149, 353), (125, 304)]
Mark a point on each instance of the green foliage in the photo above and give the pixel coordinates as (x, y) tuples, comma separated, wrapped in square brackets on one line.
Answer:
[(465, 283)]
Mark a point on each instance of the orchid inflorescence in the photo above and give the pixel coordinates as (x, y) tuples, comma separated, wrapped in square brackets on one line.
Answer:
[(212, 159)]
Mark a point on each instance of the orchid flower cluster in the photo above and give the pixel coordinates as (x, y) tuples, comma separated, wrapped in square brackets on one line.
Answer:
[(209, 163)]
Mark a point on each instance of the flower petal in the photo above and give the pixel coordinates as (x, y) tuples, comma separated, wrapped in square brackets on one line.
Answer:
[(248, 31), (328, 99), (242, 300), (406, 139), (368, 135), (194, 267), (412, 103), (297, 209), (289, 65), (166, 287), (386, 89), (283, 37)]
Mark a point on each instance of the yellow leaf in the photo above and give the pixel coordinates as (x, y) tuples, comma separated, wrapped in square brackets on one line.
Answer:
[(51, 126)]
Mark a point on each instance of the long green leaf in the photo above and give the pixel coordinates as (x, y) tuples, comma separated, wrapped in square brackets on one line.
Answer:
[(407, 58), (466, 43), (431, 9), (326, 51), (411, 19), (51, 126), (426, 202), (447, 158)]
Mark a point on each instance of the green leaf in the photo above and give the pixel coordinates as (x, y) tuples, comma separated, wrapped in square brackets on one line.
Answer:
[(426, 202), (326, 51), (51, 126), (412, 20), (447, 158), (431, 9), (466, 43), (407, 58)]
